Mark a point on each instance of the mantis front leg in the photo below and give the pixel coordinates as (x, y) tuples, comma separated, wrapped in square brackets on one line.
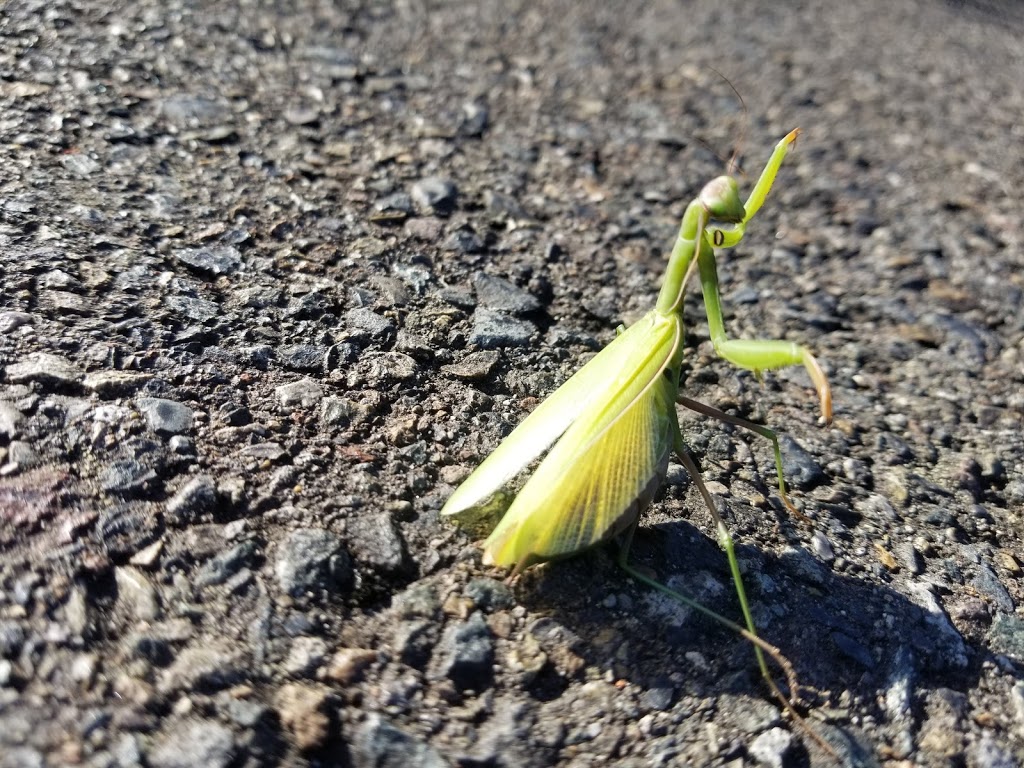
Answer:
[(755, 354), (717, 219)]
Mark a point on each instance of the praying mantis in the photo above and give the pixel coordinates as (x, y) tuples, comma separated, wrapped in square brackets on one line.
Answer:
[(610, 429)]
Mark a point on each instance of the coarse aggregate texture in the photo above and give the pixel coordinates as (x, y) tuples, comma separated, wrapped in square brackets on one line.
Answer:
[(275, 276)]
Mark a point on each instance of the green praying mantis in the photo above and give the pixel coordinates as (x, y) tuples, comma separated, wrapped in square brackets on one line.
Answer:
[(610, 429)]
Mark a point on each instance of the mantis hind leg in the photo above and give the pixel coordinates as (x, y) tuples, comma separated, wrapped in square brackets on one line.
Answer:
[(761, 647), (715, 413)]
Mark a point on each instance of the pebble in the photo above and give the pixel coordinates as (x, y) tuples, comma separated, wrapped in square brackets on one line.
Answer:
[(463, 240), (476, 366), (312, 559), (382, 370), (336, 411), (771, 747), (418, 601), (268, 451), (822, 547), (374, 540), (127, 477), (434, 195), (46, 369), (189, 111), (192, 308), (192, 743), (900, 684), (802, 564), (193, 500), (499, 294), (21, 455), (1007, 636), (398, 204), (657, 699), (247, 713), (10, 420), (204, 668), (11, 321), (213, 260), (114, 383), (226, 564), (137, 593), (989, 585), (378, 744), (305, 656), (467, 653), (474, 119), (348, 664), (943, 637), (305, 393), (304, 714), (489, 594), (941, 735), (799, 467), (303, 357), (165, 417), (127, 527), (378, 327), (426, 228), (492, 329), (77, 613)]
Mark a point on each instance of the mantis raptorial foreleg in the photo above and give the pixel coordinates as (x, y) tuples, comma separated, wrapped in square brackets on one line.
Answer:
[(753, 354), (756, 354)]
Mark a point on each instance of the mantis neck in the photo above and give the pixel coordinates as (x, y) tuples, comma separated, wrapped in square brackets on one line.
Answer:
[(671, 296)]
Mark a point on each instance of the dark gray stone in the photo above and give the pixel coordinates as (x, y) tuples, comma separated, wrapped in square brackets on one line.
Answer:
[(467, 651), (988, 584), (45, 368), (193, 500), (213, 260), (490, 594), (303, 357), (498, 293), (312, 559), (434, 195), (799, 467), (193, 308), (127, 477), (376, 326), (225, 565), (379, 744), (305, 393), (493, 329), (165, 417), (375, 540)]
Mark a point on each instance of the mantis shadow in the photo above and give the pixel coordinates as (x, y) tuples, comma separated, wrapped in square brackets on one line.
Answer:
[(856, 644)]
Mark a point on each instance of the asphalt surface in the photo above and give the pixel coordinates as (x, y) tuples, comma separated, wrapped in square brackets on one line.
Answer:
[(275, 277)]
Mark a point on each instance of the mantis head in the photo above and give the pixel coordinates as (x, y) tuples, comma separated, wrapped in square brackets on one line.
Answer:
[(721, 199)]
